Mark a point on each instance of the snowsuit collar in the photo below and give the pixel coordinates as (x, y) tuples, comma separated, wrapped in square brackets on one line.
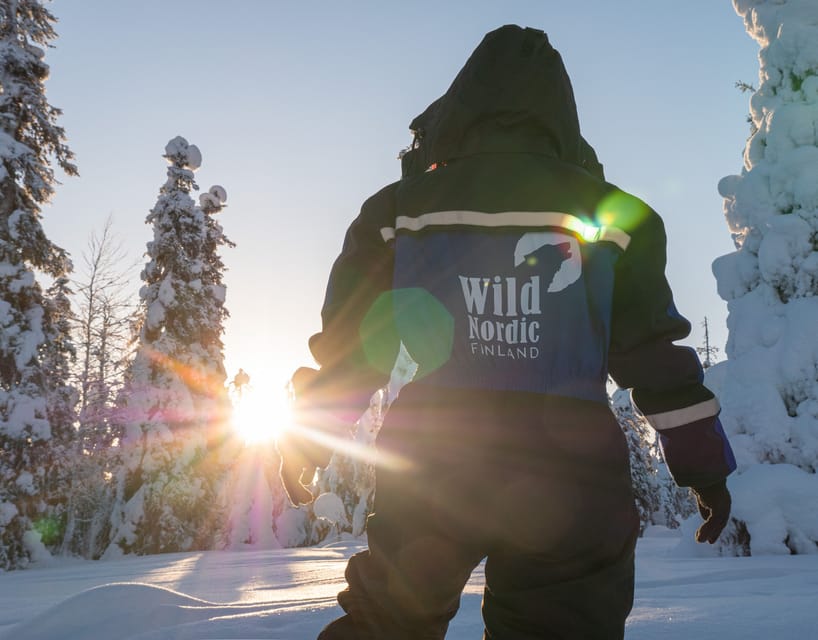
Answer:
[(512, 95)]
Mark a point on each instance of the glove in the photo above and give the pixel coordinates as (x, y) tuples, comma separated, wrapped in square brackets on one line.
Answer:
[(298, 465), (301, 452), (714, 506)]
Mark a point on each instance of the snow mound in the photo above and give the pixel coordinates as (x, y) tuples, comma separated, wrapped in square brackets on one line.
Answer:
[(777, 504), (136, 611), (330, 507)]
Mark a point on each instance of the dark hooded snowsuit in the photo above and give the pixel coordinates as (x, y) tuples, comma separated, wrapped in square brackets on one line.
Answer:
[(518, 279)]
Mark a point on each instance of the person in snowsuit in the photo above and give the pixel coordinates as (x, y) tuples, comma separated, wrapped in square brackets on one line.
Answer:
[(518, 279)]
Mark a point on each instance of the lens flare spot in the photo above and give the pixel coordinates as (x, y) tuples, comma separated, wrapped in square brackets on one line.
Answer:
[(590, 233), (412, 317), (622, 210)]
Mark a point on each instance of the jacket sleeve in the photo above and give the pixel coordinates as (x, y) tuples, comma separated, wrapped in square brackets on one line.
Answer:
[(357, 345), (666, 379)]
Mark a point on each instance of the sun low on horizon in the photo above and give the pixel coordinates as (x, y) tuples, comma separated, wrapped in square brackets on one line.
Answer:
[(260, 414)]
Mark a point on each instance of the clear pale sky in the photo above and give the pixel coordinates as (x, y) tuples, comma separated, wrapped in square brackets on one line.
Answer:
[(301, 107)]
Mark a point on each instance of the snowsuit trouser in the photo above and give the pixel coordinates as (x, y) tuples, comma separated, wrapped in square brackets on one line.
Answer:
[(538, 486)]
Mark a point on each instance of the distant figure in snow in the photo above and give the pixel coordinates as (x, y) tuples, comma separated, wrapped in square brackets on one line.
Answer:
[(503, 245), (240, 381)]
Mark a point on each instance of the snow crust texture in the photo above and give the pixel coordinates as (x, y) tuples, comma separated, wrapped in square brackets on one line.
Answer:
[(289, 594), (769, 388)]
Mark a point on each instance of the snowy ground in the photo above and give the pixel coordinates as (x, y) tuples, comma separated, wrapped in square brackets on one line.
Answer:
[(289, 595)]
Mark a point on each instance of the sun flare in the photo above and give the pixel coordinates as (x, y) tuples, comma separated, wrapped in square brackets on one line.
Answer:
[(260, 417)]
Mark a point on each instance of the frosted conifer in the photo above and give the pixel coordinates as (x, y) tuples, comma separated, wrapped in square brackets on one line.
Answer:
[(769, 385), (34, 403), (173, 407)]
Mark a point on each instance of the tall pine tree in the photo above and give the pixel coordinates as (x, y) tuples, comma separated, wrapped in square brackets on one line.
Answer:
[(174, 405), (34, 401)]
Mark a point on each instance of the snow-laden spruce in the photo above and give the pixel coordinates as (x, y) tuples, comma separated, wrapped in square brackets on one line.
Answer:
[(173, 408), (36, 402), (769, 386)]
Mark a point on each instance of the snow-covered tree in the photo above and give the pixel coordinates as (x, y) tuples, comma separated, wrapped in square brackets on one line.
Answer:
[(173, 407), (769, 385), (32, 334), (57, 356), (708, 352)]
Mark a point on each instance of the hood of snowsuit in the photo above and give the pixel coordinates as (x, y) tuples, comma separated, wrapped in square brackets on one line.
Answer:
[(513, 95)]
